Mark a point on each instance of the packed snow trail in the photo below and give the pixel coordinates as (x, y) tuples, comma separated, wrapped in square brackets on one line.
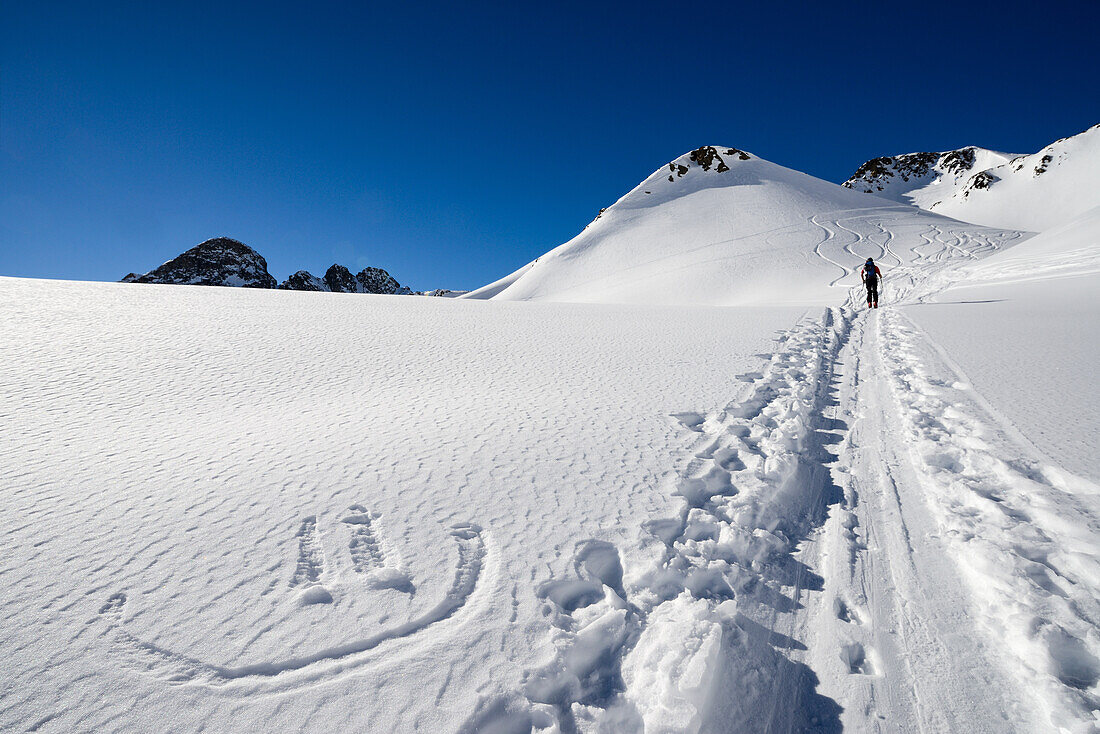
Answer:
[(1023, 532), (665, 646), (861, 545), (888, 635)]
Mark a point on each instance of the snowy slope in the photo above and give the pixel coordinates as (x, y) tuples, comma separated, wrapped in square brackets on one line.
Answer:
[(236, 510), (1027, 192), (757, 233), (258, 510), (1028, 334), (1073, 248)]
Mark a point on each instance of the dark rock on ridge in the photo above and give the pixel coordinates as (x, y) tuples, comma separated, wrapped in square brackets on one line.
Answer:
[(982, 180), (227, 262), (957, 161), (875, 172), (339, 279), (707, 157), (377, 280), (303, 280), (217, 261), (873, 175), (1042, 167)]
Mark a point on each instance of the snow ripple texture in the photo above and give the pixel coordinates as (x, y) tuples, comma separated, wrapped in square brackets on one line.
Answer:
[(228, 510), (679, 653)]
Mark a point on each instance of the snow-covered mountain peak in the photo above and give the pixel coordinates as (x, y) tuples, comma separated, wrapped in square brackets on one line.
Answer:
[(896, 177), (720, 226), (1031, 192), (706, 167)]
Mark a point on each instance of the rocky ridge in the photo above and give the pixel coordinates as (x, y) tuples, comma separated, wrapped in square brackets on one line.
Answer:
[(338, 279), (706, 157), (218, 261), (223, 261), (877, 174), (1030, 192)]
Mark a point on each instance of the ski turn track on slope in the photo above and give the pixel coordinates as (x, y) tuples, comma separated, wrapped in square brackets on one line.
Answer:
[(859, 547)]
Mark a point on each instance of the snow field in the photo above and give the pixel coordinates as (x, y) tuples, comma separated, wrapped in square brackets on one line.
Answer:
[(239, 510)]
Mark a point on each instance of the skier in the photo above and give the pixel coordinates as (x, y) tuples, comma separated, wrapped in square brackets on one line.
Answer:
[(870, 275)]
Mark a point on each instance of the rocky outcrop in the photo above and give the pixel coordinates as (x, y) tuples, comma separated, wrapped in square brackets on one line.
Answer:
[(876, 173), (219, 261), (228, 262), (706, 158), (957, 162), (303, 280), (339, 279), (376, 280), (890, 172), (982, 180)]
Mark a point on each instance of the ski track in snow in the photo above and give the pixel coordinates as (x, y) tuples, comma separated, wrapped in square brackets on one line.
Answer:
[(1002, 516), (855, 237), (818, 577)]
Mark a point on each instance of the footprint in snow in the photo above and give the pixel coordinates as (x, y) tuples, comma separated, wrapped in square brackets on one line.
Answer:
[(598, 570), (691, 420)]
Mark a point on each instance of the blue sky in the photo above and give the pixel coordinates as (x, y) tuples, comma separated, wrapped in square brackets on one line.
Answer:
[(451, 143)]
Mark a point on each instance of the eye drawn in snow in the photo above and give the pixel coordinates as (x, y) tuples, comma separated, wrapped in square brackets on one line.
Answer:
[(368, 556), (303, 669), (311, 562)]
